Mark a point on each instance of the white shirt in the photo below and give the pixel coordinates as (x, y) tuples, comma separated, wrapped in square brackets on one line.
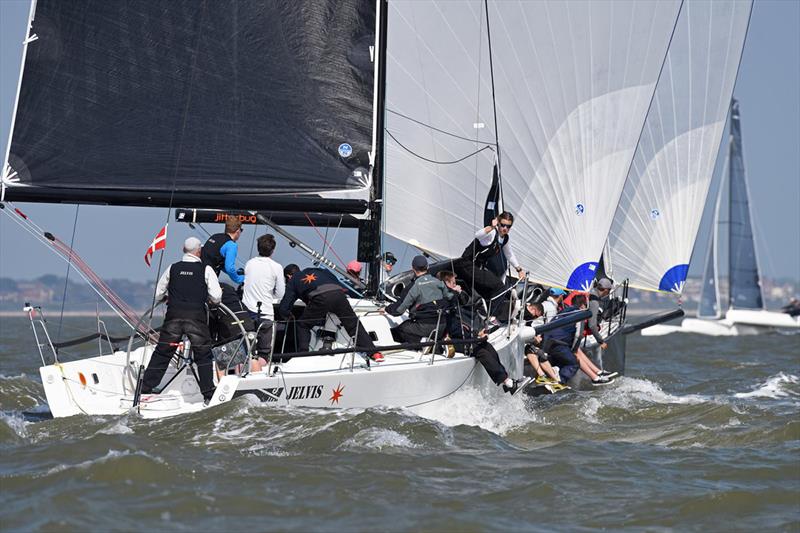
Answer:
[(214, 290), (550, 309), (486, 239), (263, 282)]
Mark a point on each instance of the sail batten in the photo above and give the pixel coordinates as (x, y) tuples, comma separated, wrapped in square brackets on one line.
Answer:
[(152, 98)]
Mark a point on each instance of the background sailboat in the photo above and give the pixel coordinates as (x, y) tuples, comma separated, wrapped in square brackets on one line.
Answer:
[(745, 313)]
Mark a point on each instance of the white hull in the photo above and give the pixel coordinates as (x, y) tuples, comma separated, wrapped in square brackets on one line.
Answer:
[(105, 385), (736, 322)]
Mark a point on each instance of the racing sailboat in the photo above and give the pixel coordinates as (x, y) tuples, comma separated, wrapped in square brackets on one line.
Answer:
[(745, 313), (283, 108)]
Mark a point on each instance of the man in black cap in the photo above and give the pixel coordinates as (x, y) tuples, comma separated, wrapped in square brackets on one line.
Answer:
[(426, 300), (322, 294), (186, 285), (389, 260)]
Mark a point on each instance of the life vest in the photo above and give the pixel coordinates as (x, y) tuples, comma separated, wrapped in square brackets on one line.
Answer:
[(568, 298), (480, 254), (211, 254), (187, 291)]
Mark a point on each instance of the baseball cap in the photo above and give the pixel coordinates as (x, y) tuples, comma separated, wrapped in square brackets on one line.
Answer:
[(604, 283), (419, 262), (389, 258), (555, 291), (191, 244), (354, 266)]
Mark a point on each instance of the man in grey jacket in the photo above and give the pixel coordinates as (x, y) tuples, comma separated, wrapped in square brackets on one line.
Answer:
[(426, 300), (601, 290)]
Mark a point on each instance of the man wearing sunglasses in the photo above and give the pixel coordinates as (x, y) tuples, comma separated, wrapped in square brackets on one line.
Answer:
[(489, 242)]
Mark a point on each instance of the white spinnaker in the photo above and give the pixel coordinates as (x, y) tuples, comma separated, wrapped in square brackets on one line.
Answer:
[(573, 81), (659, 214)]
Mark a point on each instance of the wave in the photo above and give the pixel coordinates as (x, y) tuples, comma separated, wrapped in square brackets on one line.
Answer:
[(776, 387)]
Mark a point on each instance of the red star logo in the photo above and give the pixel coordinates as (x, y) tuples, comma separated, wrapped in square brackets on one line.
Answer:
[(337, 393), (309, 278)]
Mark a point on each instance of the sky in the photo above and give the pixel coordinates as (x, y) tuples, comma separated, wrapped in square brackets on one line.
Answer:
[(113, 239)]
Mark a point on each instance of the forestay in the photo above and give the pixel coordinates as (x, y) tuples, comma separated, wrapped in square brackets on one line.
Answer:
[(573, 81), (130, 102), (658, 217)]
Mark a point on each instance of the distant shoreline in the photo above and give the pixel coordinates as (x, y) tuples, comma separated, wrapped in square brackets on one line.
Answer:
[(55, 313)]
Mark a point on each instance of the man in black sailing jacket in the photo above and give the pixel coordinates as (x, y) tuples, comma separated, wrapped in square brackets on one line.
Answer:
[(322, 294), (187, 285), (472, 266)]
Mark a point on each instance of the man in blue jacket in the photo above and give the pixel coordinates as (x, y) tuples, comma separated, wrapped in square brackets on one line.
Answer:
[(220, 250)]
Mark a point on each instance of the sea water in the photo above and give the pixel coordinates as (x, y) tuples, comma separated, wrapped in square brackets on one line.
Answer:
[(702, 433)]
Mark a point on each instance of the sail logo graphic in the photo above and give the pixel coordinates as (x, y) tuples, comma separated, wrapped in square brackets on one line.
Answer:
[(345, 150), (580, 209), (654, 214)]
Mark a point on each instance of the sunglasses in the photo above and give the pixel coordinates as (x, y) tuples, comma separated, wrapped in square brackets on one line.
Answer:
[(505, 225)]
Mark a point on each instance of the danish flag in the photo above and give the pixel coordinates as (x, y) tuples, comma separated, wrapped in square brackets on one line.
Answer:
[(159, 243)]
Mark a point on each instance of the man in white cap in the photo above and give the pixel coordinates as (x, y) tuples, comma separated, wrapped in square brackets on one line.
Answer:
[(186, 285)]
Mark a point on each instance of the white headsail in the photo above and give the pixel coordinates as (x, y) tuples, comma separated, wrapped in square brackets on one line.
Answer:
[(572, 84), (659, 214)]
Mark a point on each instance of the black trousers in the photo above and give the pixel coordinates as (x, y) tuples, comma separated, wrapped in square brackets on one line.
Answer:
[(171, 332), (486, 283), (316, 312), (414, 331), (488, 357)]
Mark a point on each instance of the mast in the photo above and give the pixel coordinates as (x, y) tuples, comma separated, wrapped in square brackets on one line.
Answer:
[(372, 231)]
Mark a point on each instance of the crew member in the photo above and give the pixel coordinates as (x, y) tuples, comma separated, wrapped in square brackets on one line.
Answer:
[(426, 302), (220, 250), (488, 242), (538, 358), (264, 285), (600, 291), (553, 304), (186, 285), (322, 294)]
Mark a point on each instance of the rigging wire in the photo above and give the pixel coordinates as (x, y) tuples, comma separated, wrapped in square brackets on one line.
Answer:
[(435, 162), (66, 277), (434, 128), (83, 269), (494, 102), (324, 240)]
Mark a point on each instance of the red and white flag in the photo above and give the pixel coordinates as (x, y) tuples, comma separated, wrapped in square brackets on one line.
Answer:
[(159, 243)]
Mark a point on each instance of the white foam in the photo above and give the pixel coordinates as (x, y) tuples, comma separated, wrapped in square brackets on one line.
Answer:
[(470, 406), (776, 387), (111, 454), (378, 438), (628, 390), (117, 429), (16, 422)]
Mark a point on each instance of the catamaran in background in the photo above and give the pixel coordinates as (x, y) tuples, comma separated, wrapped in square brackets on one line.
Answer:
[(416, 120), (745, 314)]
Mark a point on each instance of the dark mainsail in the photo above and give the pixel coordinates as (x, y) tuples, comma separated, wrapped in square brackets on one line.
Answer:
[(745, 286), (194, 103)]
